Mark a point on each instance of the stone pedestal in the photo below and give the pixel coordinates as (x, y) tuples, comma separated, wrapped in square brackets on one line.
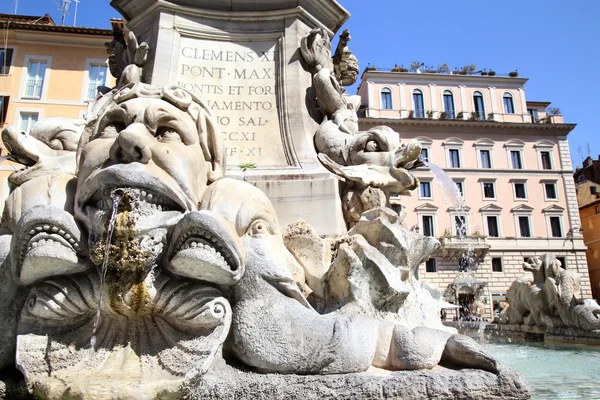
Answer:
[(243, 59), (440, 384)]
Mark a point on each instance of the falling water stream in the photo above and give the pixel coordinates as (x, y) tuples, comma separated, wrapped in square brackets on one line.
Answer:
[(116, 196)]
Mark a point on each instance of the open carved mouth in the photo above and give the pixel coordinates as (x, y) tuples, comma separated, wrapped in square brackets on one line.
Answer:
[(203, 248), (147, 191)]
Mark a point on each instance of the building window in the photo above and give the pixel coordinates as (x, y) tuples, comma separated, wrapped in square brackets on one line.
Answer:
[(478, 105), (459, 186), (563, 262), (486, 160), (492, 225), (97, 77), (509, 107), (550, 191), (449, 104), (460, 225), (430, 265), (520, 192), (418, 103), (425, 190), (546, 160), (35, 79), (489, 191), (534, 115), (427, 221), (496, 264), (515, 158), (27, 120), (3, 109), (555, 227), (425, 154), (454, 158), (524, 226), (5, 60)]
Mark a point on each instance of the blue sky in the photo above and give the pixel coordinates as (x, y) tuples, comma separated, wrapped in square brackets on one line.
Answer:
[(556, 44)]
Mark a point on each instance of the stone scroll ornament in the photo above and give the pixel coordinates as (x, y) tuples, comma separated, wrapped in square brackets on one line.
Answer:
[(551, 299), (374, 164)]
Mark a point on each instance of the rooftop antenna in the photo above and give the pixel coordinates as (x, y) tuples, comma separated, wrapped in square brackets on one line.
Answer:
[(64, 9), (75, 17)]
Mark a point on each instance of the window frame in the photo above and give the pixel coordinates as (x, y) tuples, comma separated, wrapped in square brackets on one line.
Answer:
[(545, 146), (451, 114), (425, 145), (549, 220), (553, 183), (488, 182), (460, 184), (458, 157), (26, 110), (453, 143), (427, 209), (515, 145), (523, 210), (9, 55), (481, 113), (431, 259), (466, 213), (484, 145), (29, 58), (4, 102), (422, 94), (422, 224), (492, 210), (555, 211), (509, 96), (514, 183), (89, 63), (29, 113), (421, 184), (501, 264)]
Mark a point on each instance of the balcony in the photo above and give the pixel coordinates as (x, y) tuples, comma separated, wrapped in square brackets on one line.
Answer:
[(457, 247)]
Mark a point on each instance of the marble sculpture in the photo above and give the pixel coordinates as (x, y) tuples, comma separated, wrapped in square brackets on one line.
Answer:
[(124, 277)]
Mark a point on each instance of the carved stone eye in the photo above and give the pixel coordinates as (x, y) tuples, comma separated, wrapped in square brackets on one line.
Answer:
[(168, 134), (259, 227), (372, 145)]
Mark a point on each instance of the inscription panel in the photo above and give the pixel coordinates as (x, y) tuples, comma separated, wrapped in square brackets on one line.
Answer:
[(237, 80)]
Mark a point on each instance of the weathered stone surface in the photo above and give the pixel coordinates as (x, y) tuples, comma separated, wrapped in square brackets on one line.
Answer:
[(439, 384)]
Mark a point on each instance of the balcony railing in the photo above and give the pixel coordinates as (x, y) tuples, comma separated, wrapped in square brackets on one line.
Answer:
[(33, 88), (455, 115), (456, 246)]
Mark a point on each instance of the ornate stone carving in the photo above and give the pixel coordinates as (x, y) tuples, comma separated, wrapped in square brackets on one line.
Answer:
[(552, 299)]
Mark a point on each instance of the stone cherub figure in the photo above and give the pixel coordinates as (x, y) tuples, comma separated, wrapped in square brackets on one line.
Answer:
[(374, 163)]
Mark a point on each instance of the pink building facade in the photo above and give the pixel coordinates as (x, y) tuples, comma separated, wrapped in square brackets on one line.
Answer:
[(511, 163)]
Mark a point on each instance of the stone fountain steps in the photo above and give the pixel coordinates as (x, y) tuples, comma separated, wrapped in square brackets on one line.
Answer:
[(563, 335), (441, 384)]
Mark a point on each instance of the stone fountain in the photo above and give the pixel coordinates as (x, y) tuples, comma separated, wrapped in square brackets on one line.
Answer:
[(137, 264)]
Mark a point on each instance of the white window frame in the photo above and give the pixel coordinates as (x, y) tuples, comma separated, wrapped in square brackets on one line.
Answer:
[(515, 145), (454, 143), (26, 110), (433, 222), (485, 144), (493, 182), (545, 145), (412, 100), (475, 93), (523, 211), (443, 103), (12, 61), (429, 181), (492, 210), (425, 144), (512, 99), (25, 75), (462, 184), (89, 62), (550, 182), (549, 226), (427, 209), (514, 182)]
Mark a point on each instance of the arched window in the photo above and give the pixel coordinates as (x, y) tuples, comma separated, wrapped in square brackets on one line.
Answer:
[(509, 107), (386, 99), (418, 103), (449, 104), (478, 105)]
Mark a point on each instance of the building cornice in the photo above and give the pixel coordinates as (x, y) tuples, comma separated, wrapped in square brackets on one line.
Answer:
[(464, 126), (447, 79)]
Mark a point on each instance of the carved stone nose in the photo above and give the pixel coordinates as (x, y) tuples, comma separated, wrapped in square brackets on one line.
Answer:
[(133, 145)]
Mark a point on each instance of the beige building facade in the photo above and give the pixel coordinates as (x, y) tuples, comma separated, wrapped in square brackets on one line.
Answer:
[(48, 71), (511, 164)]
